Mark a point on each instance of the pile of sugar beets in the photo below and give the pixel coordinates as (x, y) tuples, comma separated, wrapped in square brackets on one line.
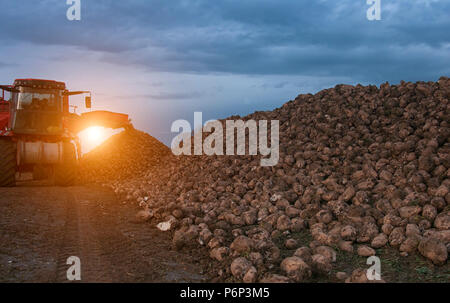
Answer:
[(360, 168)]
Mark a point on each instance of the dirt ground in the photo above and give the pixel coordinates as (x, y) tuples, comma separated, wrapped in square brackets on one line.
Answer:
[(41, 226)]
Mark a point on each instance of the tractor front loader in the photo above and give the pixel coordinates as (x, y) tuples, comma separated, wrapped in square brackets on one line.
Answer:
[(39, 134)]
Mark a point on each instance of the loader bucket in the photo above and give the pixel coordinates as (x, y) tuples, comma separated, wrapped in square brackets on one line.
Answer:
[(98, 118)]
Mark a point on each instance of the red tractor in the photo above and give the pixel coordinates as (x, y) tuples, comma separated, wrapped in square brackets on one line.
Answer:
[(38, 133)]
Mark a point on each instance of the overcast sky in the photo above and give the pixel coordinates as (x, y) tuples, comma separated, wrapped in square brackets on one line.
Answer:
[(161, 60)]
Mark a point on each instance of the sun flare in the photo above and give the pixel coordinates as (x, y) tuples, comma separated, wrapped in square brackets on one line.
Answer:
[(95, 134)]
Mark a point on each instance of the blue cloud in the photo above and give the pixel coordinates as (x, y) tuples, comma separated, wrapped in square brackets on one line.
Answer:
[(159, 60), (317, 38)]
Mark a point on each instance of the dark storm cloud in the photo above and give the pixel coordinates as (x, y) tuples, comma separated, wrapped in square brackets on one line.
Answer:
[(289, 37)]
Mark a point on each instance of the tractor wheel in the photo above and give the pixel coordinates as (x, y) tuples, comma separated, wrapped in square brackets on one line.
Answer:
[(7, 163), (66, 172)]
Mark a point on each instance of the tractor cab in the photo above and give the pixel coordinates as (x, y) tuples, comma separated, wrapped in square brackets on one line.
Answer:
[(37, 107)]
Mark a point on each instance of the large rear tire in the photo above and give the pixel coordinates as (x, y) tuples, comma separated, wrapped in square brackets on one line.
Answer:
[(66, 172), (7, 163)]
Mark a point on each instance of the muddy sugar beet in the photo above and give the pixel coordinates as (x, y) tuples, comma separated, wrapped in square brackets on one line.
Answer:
[(213, 144), (124, 156), (361, 169)]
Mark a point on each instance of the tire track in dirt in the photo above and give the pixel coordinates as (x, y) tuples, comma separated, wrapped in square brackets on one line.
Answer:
[(42, 226), (70, 243), (115, 249)]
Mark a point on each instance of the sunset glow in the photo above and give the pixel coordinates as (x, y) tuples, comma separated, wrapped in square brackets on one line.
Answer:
[(95, 134), (93, 137)]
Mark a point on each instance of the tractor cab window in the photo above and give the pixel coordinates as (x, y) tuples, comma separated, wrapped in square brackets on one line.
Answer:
[(37, 101), (37, 112), (5, 96)]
